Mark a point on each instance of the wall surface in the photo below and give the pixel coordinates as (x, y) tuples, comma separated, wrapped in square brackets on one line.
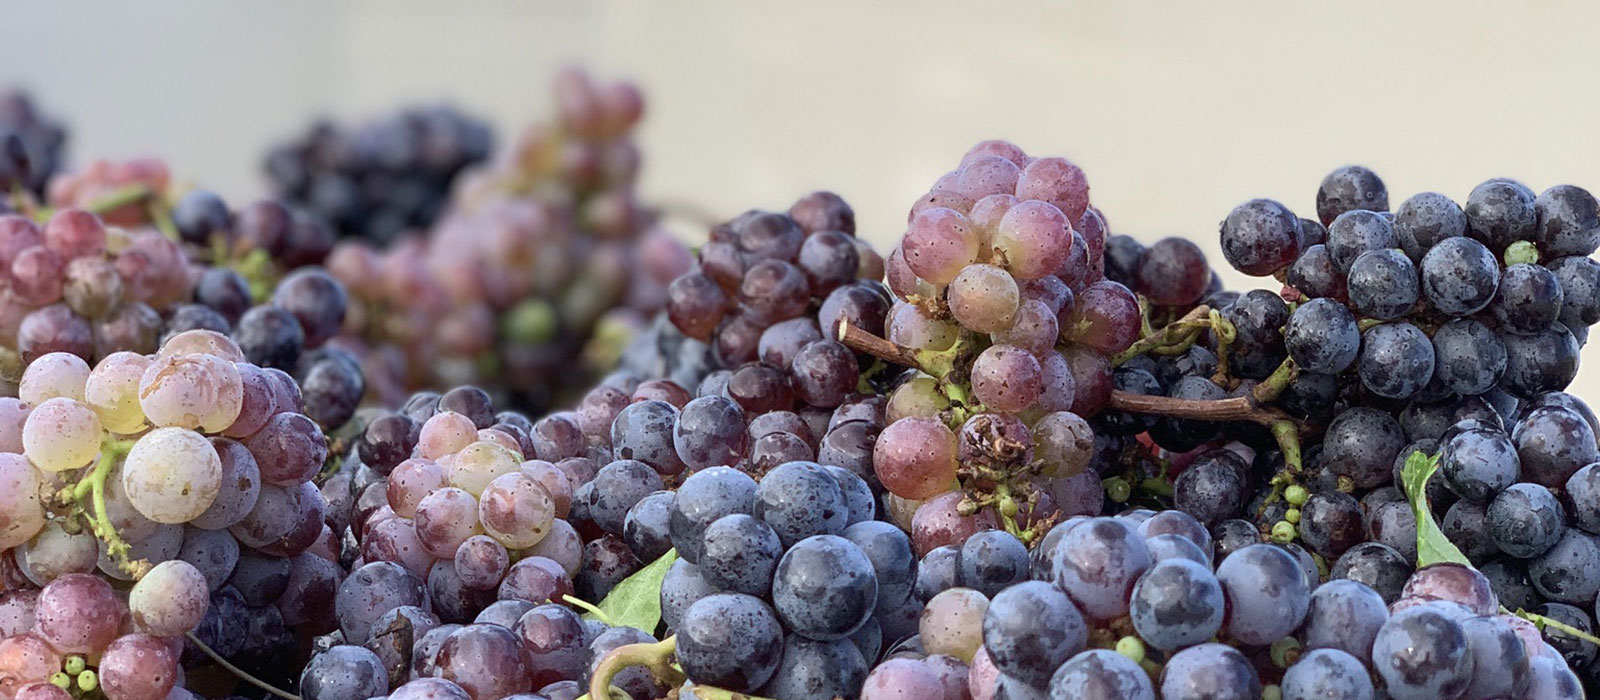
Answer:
[(1178, 111)]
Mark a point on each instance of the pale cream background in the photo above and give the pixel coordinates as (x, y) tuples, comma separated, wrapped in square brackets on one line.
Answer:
[(1178, 111)]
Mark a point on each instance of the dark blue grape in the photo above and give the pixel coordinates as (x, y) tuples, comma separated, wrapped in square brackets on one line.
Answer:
[(731, 641), (1545, 361), (1577, 651), (1260, 237), (1177, 603), (991, 560), (270, 337), (1525, 520), (472, 402), (1501, 212), (1425, 220), (1358, 231), (1583, 498), (1350, 187), (1395, 525), (739, 555), (606, 562), (1375, 565), (857, 493), (799, 500), (504, 613), (710, 431), (1421, 653), (869, 639), (1101, 674), (1344, 615), (1509, 579), (1580, 290), (332, 384), (813, 670), (1097, 563), (1467, 525), (1529, 299), (618, 487), (643, 431), (1396, 360), (317, 301), (645, 528), (1213, 487), (344, 672), (1553, 443), (1132, 381), (1030, 629), (1327, 674), (1459, 276), (1499, 659), (1383, 284), (1569, 571), (1477, 464), (680, 588), (1164, 547), (1209, 672), (636, 681), (189, 317), (704, 497), (893, 563), (1568, 221), (1550, 679), (1322, 336), (825, 587), (1315, 275), (1563, 400), (1122, 256), (1468, 357), (1267, 593), (369, 592), (1362, 443), (1257, 317), (937, 571)]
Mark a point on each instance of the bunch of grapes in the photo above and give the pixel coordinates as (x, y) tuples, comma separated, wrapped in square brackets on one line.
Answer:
[(533, 279), (30, 145), (381, 178), (187, 473)]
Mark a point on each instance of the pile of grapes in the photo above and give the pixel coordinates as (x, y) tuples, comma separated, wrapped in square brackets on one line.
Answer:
[(425, 432)]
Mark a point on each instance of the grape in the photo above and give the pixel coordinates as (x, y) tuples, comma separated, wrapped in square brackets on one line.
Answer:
[(1426, 220), (22, 511), (1321, 336), (1383, 284), (1397, 360), (445, 518), (1097, 563), (396, 540), (990, 561), (1344, 615), (938, 521), (643, 431), (308, 598), (740, 554), (1355, 232), (1469, 358), (54, 552), (916, 457), (445, 433), (1030, 629), (645, 528), (316, 300), (1580, 290), (1569, 571), (258, 401), (481, 562), (1267, 593), (1327, 673), (1362, 443), (1568, 222), (1422, 653), (1100, 674), (25, 659), (1315, 275), (1549, 677), (41, 691), (1212, 488), (289, 450), (813, 670), (1006, 378), (703, 498), (893, 563), (1031, 239), (798, 500), (730, 640), (535, 579), (172, 475), (952, 623), (710, 431), (1105, 318), (1057, 181), (1459, 276), (824, 373), (824, 587), (371, 591), (1260, 237), (1212, 671), (138, 667), (1529, 299), (516, 510), (938, 243), (479, 464), (616, 489), (901, 679), (61, 434), (1350, 187), (54, 375), (552, 636), (1546, 361), (1177, 604), (77, 614), (485, 660), (1331, 522), (170, 599)]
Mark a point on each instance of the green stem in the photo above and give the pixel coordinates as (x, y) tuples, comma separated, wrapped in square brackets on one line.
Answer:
[(93, 487), (657, 656), (1275, 384), (1288, 436), (163, 219), (120, 197), (1542, 622), (235, 670), (590, 608), (1176, 337)]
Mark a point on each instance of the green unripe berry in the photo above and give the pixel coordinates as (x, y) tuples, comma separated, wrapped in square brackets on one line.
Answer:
[(1296, 495), (1292, 516), (1131, 647), (1283, 532), (88, 681)]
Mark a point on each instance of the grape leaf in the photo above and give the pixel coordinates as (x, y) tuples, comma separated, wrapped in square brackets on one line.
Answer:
[(1432, 546), (636, 601)]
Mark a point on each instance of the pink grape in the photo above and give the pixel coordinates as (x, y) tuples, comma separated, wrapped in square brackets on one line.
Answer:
[(1034, 330), (516, 510), (202, 342), (918, 397), (915, 457), (997, 147), (25, 659), (1032, 240), (938, 521), (75, 233), (445, 519), (1006, 378), (179, 391), (554, 481), (902, 281), (78, 614), (22, 511), (987, 175), (289, 450), (1063, 442), (13, 415), (1105, 318), (984, 298), (1057, 181), (410, 481), (952, 623), (445, 433), (481, 562), (938, 244), (912, 327), (396, 540), (258, 401), (170, 599), (986, 216), (1060, 386), (138, 667)]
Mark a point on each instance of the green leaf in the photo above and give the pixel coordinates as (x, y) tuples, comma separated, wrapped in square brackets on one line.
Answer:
[(1432, 546), (636, 602)]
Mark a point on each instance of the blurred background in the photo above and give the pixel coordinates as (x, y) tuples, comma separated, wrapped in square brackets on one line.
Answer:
[(1176, 111)]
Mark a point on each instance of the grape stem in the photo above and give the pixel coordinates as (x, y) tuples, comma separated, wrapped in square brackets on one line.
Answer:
[(590, 607), (1542, 622), (235, 670), (93, 487), (120, 197), (657, 656), (1176, 337)]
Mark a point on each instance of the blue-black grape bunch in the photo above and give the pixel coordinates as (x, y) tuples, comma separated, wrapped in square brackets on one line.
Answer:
[(381, 178), (30, 147), (533, 278)]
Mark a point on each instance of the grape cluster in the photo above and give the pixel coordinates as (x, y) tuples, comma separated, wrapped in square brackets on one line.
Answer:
[(383, 177), (533, 279), (187, 473), (30, 145)]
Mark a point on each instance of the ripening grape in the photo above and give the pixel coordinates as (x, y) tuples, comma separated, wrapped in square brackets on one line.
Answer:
[(1032, 240), (480, 463), (170, 599), (112, 390), (911, 326), (172, 475), (984, 298), (938, 243), (952, 623), (1006, 378), (61, 434), (138, 667), (915, 458), (54, 553), (21, 510), (202, 342), (918, 397), (179, 390), (78, 614), (516, 510), (445, 519), (410, 481), (447, 432), (25, 659), (229, 397), (240, 486), (54, 374)]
